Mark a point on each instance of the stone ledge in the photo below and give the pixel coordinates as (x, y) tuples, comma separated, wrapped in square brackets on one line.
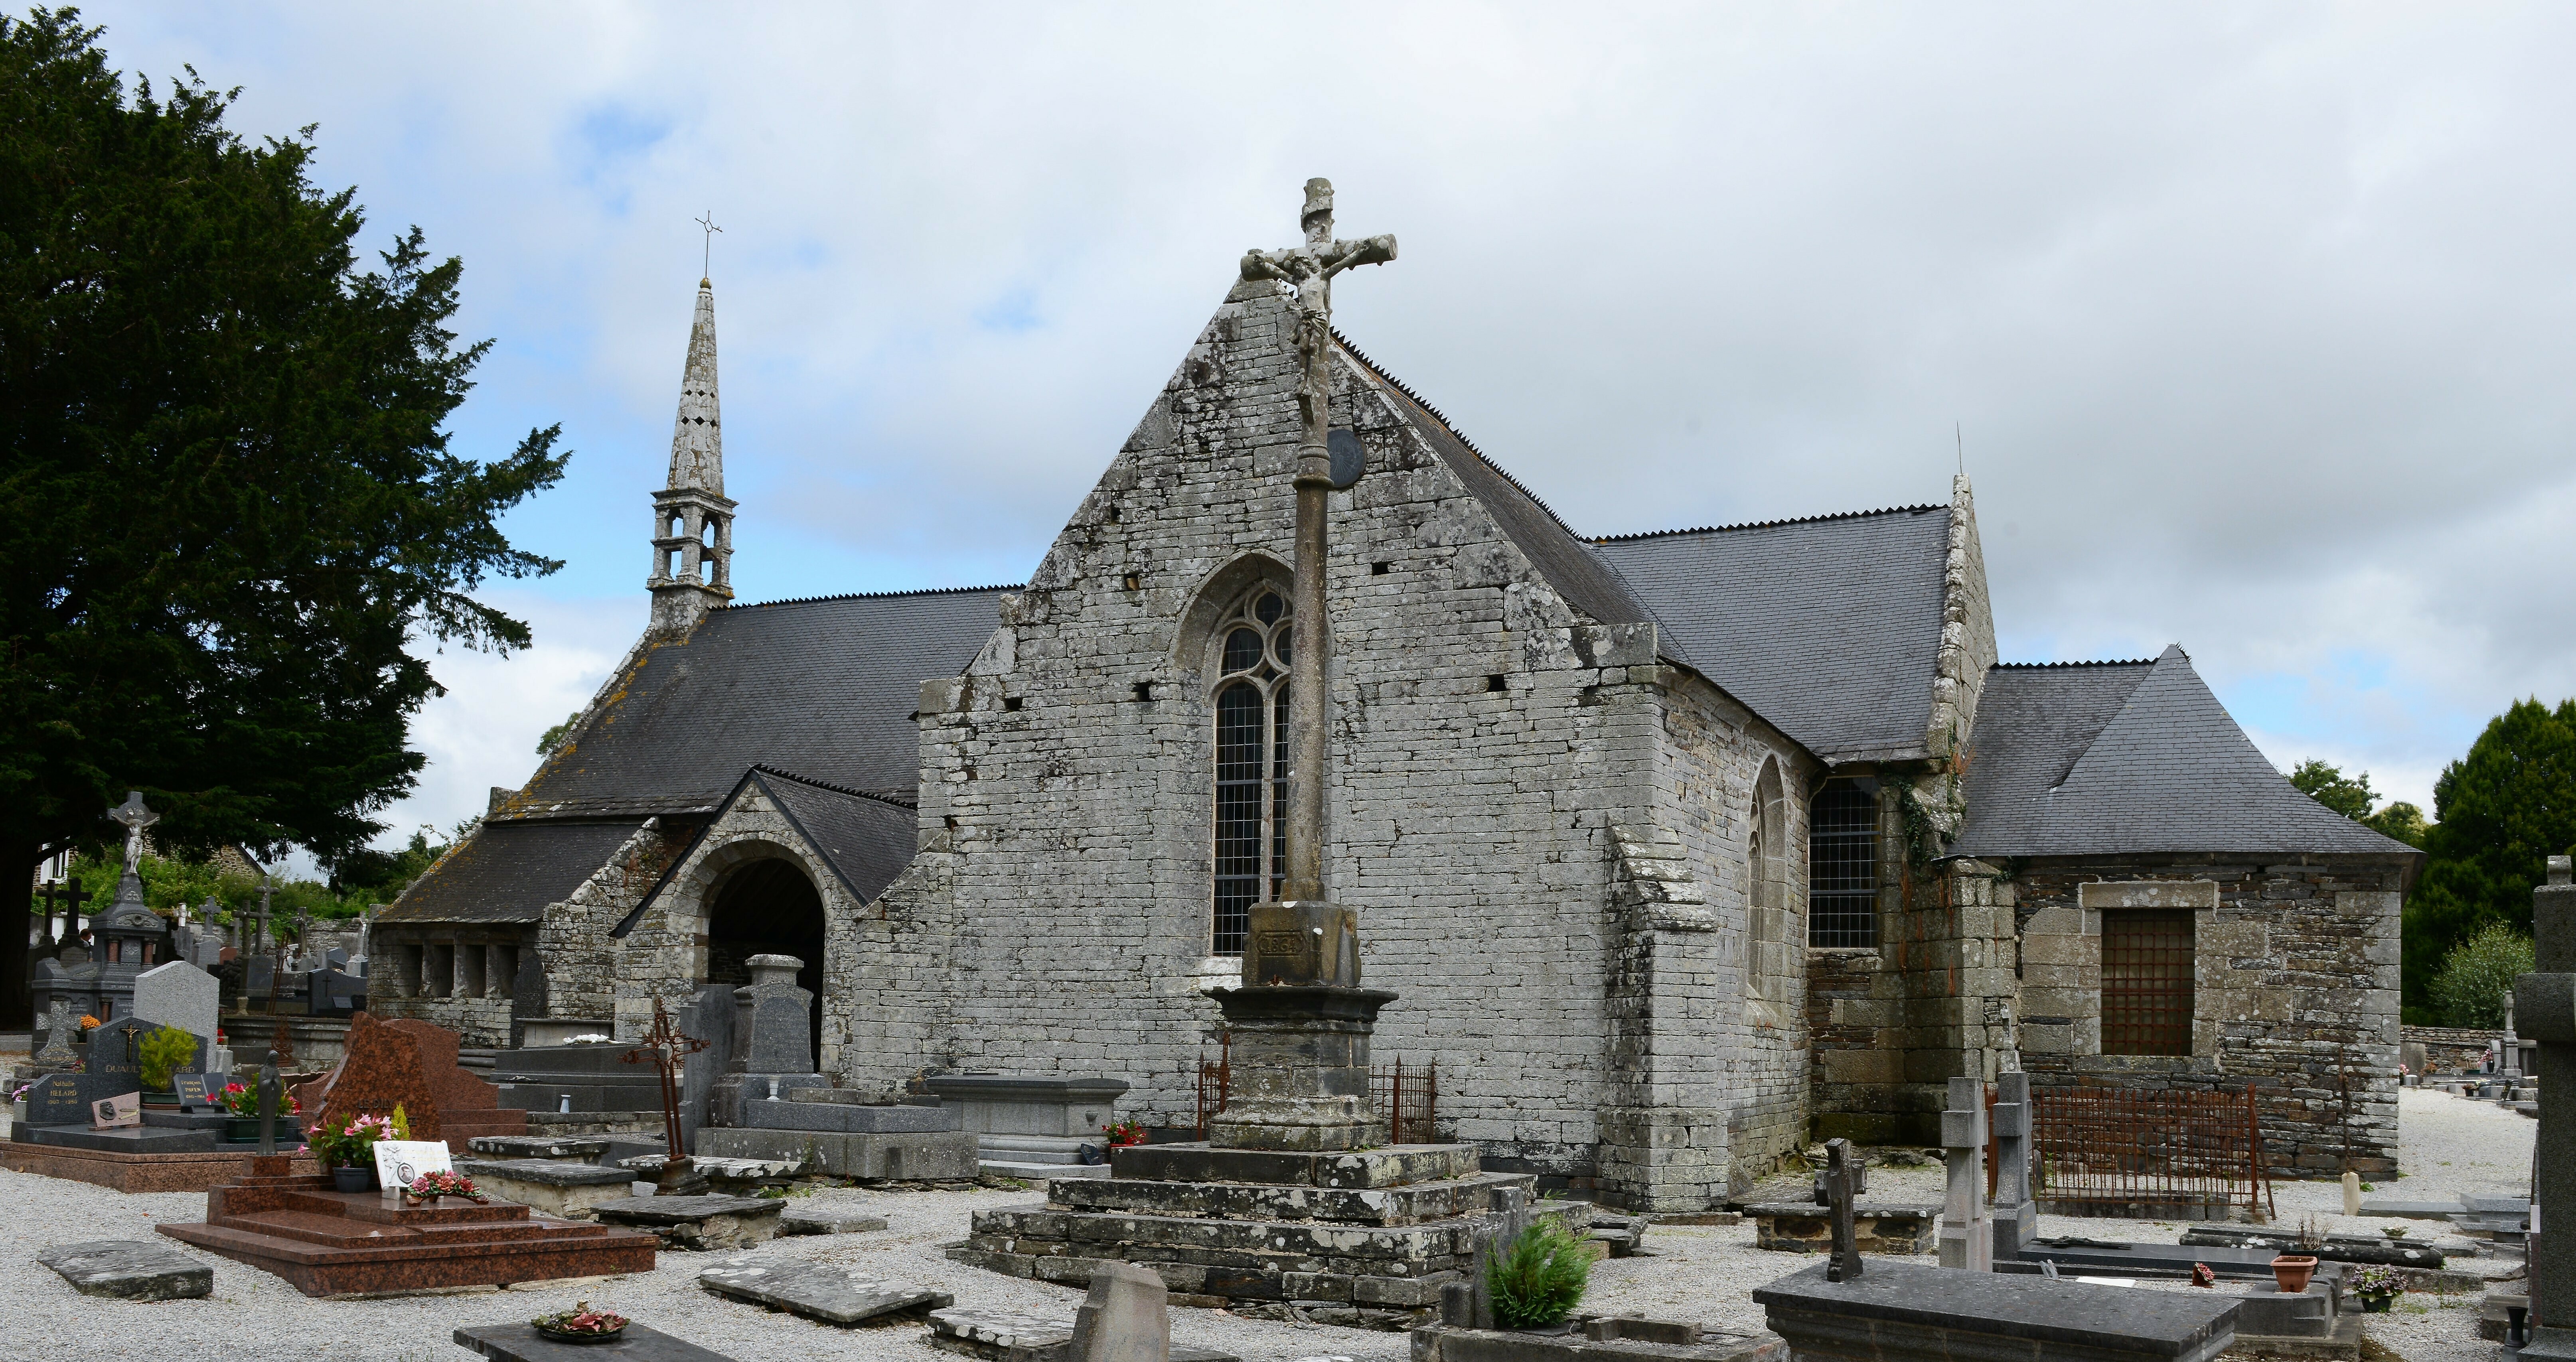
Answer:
[(1412, 1203), (1390, 1166)]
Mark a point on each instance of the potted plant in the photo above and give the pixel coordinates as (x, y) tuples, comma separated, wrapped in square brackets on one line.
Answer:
[(348, 1149), (580, 1324), (2379, 1286), (430, 1187), (160, 1055), (2292, 1271), (1123, 1133), (241, 1113), (1539, 1278)]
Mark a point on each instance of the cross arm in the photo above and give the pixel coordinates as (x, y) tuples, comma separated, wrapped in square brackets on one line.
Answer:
[(1376, 250)]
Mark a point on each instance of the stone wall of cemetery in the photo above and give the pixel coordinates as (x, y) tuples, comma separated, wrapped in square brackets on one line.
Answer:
[(2295, 990), (1487, 738)]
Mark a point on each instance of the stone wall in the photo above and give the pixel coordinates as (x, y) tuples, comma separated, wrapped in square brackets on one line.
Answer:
[(2295, 992), (1488, 737), (2450, 1049)]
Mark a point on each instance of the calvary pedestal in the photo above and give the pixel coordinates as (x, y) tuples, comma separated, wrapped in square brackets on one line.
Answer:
[(1284, 1203)]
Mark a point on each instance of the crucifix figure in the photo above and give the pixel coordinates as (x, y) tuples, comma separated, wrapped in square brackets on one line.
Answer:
[(1844, 1177), (136, 818), (666, 1047), (1304, 273)]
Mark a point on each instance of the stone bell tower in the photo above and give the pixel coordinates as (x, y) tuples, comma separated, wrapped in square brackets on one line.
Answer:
[(692, 518)]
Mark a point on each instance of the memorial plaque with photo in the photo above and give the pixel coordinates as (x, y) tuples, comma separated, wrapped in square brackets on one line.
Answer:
[(398, 1162), (124, 1109), (195, 1094)]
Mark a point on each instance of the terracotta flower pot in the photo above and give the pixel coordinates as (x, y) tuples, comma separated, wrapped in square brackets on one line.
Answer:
[(2292, 1271)]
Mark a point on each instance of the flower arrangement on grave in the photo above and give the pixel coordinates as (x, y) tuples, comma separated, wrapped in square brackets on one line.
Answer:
[(444, 1183), (588, 1038), (1539, 1279), (350, 1142), (161, 1054), (580, 1323), (243, 1101), (2395, 1231), (1123, 1133), (2203, 1275), (88, 1022), (2377, 1285)]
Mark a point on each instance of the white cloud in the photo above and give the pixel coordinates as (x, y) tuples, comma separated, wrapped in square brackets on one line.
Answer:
[(2257, 319)]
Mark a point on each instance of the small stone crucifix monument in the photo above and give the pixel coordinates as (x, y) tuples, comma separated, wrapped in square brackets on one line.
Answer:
[(136, 818), (1844, 1178), (1966, 1240)]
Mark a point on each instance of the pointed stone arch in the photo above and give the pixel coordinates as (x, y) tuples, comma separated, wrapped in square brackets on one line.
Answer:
[(1217, 595)]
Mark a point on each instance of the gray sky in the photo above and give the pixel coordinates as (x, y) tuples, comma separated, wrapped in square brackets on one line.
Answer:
[(2256, 318)]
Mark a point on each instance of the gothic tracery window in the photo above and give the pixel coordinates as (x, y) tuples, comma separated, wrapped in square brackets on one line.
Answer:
[(1251, 706)]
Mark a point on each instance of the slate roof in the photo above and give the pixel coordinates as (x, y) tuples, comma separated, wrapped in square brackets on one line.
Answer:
[(1830, 628), (826, 687), (867, 839), (1571, 565), (509, 872), (2130, 758)]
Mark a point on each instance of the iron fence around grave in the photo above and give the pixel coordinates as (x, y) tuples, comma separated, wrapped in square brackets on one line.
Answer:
[(1404, 1100), (2148, 1155)]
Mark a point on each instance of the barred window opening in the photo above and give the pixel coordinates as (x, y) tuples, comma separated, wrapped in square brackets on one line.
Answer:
[(1842, 866), (2146, 981), (1251, 711)]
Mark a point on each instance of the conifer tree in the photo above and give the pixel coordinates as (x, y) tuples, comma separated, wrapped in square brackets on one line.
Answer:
[(234, 513)]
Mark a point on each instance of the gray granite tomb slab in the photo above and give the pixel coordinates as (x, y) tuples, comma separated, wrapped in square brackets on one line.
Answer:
[(1897, 1312), (835, 1295), (128, 1270), (520, 1342)]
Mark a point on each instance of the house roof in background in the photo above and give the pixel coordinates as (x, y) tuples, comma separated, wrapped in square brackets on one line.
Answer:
[(2132, 757), (1828, 627)]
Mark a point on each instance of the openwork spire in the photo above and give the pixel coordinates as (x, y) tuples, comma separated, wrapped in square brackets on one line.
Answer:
[(692, 519), (697, 440)]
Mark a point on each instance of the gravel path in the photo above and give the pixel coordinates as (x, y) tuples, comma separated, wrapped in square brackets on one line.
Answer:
[(2452, 1145)]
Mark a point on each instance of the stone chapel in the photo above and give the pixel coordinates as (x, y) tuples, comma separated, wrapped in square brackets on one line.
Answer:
[(1682, 848)]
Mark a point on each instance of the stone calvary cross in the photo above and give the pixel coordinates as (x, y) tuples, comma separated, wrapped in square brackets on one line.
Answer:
[(1305, 276)]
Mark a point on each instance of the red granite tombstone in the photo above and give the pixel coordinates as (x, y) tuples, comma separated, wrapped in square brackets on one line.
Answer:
[(411, 1064)]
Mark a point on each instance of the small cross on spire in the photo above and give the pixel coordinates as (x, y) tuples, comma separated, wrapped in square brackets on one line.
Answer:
[(706, 261)]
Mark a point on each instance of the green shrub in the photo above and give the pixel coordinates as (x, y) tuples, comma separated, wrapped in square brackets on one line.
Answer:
[(161, 1054), (2478, 973), (1538, 1280)]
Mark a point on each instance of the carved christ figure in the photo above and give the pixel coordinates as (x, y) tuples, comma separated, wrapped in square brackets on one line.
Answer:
[(1305, 273), (136, 818)]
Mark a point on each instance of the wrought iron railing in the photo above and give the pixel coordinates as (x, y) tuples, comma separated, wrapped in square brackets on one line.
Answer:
[(2115, 1151)]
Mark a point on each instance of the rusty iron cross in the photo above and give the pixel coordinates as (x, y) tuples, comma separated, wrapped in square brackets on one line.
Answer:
[(665, 1047)]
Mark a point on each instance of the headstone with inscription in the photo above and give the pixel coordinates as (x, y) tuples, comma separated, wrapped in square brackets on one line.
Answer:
[(782, 1018), (178, 994), (56, 1100), (400, 1162), (194, 1091)]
